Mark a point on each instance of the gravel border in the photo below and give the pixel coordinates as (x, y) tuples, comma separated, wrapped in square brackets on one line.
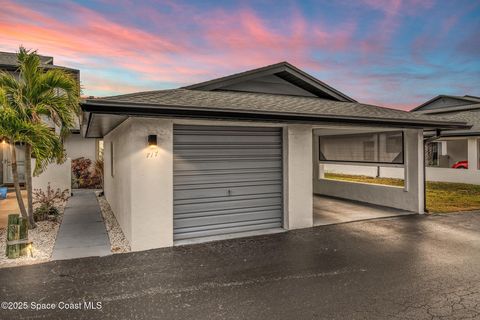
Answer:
[(43, 238), (118, 242)]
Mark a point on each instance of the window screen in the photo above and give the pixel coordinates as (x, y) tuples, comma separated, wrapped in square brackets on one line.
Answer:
[(377, 147)]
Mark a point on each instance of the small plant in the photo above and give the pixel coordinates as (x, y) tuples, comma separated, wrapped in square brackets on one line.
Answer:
[(48, 202)]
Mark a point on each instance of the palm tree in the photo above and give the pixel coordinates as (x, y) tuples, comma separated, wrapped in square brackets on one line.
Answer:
[(36, 98), (45, 143)]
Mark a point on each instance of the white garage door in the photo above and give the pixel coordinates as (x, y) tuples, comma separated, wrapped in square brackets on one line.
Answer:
[(226, 180)]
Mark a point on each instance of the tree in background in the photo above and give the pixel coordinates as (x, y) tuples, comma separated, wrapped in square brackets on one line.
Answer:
[(42, 106)]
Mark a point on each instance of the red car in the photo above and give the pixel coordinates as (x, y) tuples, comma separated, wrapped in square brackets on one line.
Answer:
[(460, 165)]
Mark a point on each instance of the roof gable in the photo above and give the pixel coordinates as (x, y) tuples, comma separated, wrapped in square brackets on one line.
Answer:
[(281, 78), (446, 101)]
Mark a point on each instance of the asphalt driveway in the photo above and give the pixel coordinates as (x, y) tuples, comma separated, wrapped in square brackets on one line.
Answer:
[(411, 267)]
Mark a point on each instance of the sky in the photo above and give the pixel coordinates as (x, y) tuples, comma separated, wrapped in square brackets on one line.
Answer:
[(393, 53)]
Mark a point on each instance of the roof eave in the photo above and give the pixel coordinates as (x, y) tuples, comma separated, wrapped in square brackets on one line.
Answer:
[(135, 109)]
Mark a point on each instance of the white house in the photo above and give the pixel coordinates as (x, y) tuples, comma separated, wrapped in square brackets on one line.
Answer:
[(244, 152), (454, 156)]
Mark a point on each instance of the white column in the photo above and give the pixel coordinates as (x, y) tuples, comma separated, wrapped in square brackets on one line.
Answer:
[(472, 154), (414, 168), (299, 173)]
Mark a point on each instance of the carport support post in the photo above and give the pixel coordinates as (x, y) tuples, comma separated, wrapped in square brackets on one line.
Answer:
[(472, 150), (414, 167), (299, 171)]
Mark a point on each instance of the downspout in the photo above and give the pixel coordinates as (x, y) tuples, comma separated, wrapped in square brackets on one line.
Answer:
[(437, 135)]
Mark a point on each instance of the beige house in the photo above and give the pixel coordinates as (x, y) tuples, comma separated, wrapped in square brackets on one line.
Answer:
[(244, 153)]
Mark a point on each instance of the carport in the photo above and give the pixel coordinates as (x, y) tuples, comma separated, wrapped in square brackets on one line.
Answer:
[(357, 150)]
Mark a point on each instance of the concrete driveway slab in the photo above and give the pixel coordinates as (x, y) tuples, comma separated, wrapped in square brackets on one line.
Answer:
[(329, 210)]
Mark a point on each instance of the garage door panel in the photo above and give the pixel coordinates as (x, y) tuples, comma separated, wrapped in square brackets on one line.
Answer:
[(226, 151), (206, 205), (233, 164), (226, 218), (188, 233), (226, 140), (214, 191), (193, 178), (273, 208), (226, 179)]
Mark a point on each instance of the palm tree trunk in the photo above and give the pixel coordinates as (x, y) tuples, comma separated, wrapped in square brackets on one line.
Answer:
[(28, 183), (16, 182)]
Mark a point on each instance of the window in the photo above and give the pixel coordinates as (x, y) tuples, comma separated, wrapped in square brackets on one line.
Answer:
[(375, 147), (111, 159), (99, 149)]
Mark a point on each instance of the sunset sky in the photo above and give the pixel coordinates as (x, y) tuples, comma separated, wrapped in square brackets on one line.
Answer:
[(396, 53)]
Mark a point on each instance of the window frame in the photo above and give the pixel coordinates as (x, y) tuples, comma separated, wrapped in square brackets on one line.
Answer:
[(382, 163)]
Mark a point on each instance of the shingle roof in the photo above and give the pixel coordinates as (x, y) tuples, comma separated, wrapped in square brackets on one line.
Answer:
[(472, 117), (8, 60), (466, 98), (261, 103)]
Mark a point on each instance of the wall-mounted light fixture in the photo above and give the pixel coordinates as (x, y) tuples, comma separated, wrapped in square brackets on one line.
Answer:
[(152, 140)]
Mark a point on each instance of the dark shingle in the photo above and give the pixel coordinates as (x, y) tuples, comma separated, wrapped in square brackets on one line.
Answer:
[(259, 103), (472, 117)]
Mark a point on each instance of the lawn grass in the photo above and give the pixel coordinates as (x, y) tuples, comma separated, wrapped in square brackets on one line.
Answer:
[(441, 196)]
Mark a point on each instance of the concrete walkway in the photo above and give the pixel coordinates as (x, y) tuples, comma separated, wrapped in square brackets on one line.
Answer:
[(82, 232)]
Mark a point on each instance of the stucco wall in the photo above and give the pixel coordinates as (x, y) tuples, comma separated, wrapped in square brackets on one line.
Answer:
[(117, 188), (141, 191), (152, 184), (58, 175), (76, 146), (298, 165), (408, 198)]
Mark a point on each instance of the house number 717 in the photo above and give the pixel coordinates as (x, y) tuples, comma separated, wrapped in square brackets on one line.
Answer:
[(153, 154)]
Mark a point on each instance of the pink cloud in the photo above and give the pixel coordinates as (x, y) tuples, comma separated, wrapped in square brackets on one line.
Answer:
[(190, 45)]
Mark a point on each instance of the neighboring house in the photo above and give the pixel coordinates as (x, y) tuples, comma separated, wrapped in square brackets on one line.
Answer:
[(454, 156), (75, 145), (245, 153)]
